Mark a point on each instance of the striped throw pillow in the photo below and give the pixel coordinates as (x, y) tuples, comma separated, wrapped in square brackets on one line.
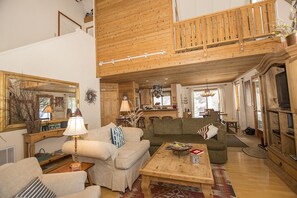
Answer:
[(117, 136), (36, 189), (203, 131)]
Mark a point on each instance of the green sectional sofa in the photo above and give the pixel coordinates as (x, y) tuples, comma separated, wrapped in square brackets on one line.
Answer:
[(185, 130)]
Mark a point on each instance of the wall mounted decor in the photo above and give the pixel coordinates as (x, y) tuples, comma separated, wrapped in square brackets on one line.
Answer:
[(91, 96)]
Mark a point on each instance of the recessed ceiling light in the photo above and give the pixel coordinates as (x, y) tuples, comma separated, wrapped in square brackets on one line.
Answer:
[(166, 78), (147, 81)]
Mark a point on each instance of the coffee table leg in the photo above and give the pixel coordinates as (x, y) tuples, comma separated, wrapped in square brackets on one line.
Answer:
[(206, 189), (145, 185)]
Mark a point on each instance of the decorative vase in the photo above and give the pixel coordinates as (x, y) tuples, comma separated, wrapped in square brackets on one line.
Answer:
[(291, 39), (33, 126)]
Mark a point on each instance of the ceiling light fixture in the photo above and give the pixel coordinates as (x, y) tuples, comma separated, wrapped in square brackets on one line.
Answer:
[(207, 92), (157, 91)]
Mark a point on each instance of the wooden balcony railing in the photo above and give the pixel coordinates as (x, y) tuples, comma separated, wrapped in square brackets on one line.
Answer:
[(235, 25)]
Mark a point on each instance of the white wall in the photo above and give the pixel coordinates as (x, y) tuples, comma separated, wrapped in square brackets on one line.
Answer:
[(194, 8), (24, 22), (70, 57)]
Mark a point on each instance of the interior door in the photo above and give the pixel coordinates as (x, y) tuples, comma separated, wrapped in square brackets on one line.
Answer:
[(109, 103)]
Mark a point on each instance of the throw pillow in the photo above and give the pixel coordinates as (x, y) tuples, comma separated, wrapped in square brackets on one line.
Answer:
[(212, 131), (203, 130), (36, 189), (117, 136)]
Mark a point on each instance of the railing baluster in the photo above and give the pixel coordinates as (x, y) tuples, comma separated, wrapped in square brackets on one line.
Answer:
[(243, 23), (257, 15)]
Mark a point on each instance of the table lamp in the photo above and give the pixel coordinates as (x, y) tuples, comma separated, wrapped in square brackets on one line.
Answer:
[(125, 107), (75, 128)]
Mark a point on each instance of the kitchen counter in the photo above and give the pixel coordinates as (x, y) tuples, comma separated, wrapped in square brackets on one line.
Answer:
[(148, 110), (159, 113)]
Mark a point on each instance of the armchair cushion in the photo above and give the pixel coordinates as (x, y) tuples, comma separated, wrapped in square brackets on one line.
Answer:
[(93, 149), (36, 189), (132, 134), (130, 153), (16, 176), (69, 182), (101, 134)]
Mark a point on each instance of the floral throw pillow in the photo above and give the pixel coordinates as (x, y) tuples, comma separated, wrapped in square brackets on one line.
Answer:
[(117, 136)]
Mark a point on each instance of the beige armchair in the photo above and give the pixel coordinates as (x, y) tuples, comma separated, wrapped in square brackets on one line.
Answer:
[(16, 176)]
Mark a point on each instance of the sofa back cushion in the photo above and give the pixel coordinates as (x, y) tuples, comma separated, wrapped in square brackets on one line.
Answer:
[(192, 125), (164, 127), (16, 176)]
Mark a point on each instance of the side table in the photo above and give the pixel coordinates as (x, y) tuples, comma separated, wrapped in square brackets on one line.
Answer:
[(85, 166)]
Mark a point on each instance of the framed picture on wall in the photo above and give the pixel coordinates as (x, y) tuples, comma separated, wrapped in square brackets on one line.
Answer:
[(66, 25), (59, 104)]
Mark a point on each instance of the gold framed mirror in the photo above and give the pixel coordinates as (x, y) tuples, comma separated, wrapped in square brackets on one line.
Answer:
[(26, 97)]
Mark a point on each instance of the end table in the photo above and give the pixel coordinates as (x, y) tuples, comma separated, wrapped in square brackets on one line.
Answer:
[(85, 166)]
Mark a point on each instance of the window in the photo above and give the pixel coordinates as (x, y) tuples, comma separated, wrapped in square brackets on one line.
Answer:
[(201, 103), (72, 103), (44, 101), (164, 100)]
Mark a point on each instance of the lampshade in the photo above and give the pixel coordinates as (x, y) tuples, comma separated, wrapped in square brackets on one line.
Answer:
[(75, 127), (125, 105), (48, 109)]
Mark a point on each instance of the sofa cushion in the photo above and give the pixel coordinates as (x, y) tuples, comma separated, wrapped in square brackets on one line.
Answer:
[(130, 153), (163, 127), (203, 131), (212, 131), (117, 136), (191, 125), (100, 134), (36, 189), (212, 143), (22, 171)]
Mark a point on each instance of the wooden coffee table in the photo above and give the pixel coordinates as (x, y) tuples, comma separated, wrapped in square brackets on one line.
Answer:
[(166, 167), (85, 166)]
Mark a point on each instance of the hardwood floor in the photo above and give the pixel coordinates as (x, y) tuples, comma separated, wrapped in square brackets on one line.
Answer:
[(249, 176)]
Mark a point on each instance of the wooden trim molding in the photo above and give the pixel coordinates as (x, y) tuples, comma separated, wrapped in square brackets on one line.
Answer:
[(59, 22)]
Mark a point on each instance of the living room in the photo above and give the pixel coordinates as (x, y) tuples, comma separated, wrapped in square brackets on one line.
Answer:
[(30, 45)]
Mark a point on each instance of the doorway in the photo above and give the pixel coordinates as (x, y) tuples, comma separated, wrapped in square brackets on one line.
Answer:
[(258, 119)]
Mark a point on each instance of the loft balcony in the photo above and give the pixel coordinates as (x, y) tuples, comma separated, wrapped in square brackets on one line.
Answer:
[(218, 47), (237, 25)]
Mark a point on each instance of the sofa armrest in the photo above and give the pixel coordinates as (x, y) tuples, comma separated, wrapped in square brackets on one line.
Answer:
[(93, 149), (65, 183), (132, 134)]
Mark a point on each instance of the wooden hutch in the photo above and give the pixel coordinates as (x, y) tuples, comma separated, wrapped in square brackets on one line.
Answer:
[(278, 77)]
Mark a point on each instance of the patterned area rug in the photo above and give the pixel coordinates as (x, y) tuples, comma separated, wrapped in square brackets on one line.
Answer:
[(221, 189)]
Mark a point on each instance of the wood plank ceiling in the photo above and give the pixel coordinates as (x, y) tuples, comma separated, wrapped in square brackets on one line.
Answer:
[(192, 74)]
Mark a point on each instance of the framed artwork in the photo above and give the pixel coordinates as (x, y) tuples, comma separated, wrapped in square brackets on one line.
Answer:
[(66, 25), (59, 104), (90, 30)]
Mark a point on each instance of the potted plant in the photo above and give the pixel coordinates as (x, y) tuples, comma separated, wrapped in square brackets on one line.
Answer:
[(23, 106), (288, 31)]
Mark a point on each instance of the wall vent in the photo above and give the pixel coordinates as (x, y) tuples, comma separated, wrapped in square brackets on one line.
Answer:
[(7, 155)]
